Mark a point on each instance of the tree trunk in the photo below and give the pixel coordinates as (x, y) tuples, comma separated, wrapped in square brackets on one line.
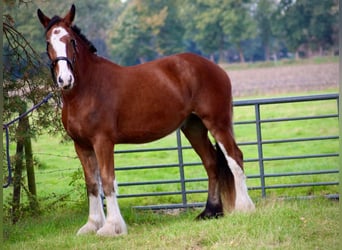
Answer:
[(297, 55), (18, 173), (242, 57), (321, 51), (267, 52), (31, 181)]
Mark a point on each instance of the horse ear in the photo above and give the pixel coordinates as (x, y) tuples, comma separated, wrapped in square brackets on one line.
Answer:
[(69, 18), (42, 18)]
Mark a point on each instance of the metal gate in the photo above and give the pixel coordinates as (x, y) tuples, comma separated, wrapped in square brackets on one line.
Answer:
[(261, 162)]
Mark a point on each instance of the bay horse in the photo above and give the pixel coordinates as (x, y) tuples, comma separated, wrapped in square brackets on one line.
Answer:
[(106, 104)]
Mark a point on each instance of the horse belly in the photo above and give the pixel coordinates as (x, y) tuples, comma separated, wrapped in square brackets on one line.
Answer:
[(149, 129), (150, 119)]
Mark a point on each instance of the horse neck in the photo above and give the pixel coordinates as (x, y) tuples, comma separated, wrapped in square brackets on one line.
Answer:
[(86, 63)]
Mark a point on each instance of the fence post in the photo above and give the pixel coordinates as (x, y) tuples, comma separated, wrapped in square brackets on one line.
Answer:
[(260, 149), (181, 167)]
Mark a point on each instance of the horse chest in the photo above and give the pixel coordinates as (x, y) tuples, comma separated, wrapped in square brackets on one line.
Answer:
[(78, 124)]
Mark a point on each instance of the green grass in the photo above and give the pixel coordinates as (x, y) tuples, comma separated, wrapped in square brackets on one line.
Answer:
[(276, 224)]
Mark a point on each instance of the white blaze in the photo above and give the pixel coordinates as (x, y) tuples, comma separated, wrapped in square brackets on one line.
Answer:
[(60, 48)]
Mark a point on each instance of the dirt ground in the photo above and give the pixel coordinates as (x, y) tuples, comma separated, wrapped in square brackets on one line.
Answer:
[(284, 79)]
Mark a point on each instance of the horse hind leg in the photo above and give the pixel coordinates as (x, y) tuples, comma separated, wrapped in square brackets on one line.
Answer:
[(197, 134)]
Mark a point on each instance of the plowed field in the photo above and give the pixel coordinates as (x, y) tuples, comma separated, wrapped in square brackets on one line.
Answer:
[(284, 79)]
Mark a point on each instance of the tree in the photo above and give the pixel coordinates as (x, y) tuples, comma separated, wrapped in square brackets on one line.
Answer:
[(203, 22), (25, 82), (239, 24), (322, 23), (146, 30), (217, 24), (264, 12), (169, 40), (305, 23)]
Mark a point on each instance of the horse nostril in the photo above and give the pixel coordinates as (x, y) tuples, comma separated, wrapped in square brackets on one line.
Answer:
[(60, 80)]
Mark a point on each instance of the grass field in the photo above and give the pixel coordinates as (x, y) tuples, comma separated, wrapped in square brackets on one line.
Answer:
[(277, 223)]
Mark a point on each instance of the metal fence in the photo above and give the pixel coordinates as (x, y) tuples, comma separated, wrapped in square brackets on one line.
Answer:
[(265, 166)]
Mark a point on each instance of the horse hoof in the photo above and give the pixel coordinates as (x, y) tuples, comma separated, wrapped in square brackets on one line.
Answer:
[(211, 211), (112, 229), (88, 228), (209, 215)]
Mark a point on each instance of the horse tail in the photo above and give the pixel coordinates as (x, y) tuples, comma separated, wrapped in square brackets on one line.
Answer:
[(226, 181), (232, 185)]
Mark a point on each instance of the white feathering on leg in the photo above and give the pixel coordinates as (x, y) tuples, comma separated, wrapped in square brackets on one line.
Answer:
[(96, 217), (242, 201), (116, 187), (115, 224)]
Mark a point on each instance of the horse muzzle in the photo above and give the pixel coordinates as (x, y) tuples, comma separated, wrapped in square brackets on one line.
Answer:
[(66, 83)]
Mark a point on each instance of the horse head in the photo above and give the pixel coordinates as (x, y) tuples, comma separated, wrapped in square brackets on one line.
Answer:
[(61, 47)]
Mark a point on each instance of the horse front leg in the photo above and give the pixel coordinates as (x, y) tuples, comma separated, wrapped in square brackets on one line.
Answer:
[(114, 224), (96, 218)]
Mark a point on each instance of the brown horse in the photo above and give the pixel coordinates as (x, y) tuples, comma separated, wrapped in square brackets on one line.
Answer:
[(105, 104)]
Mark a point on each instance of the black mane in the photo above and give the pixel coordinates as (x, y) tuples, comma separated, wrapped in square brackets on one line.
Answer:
[(77, 30), (91, 46)]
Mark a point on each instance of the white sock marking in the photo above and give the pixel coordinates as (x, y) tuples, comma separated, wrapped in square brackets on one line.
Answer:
[(96, 213), (115, 225), (96, 217)]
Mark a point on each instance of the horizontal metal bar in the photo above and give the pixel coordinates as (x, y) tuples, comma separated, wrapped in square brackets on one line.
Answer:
[(171, 206), (147, 167), (286, 100), (332, 171), (321, 138), (146, 183), (288, 119), (303, 139), (299, 157), (312, 184), (149, 194), (144, 150), (295, 185)]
